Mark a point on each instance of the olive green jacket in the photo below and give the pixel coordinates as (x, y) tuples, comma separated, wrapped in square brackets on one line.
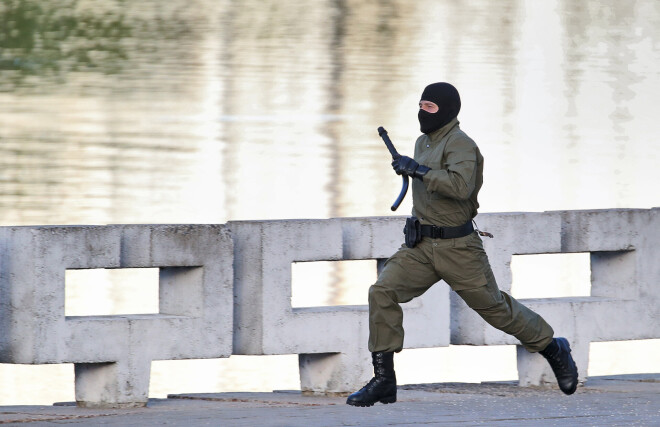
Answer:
[(448, 194)]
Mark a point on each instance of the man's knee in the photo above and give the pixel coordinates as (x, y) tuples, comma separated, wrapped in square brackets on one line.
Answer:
[(375, 291), (379, 293)]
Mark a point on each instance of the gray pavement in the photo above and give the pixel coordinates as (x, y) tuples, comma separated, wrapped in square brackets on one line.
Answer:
[(631, 400)]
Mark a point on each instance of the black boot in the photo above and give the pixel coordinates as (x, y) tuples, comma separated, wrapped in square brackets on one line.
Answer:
[(558, 354), (382, 387)]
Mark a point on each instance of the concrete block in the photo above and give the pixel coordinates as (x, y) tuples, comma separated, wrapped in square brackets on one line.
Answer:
[(121, 384), (624, 271), (112, 354), (534, 370), (613, 274), (601, 230), (371, 238), (331, 341), (324, 373), (95, 339)]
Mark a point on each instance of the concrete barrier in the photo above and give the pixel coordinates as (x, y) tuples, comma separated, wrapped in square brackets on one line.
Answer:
[(330, 341), (112, 354), (624, 302), (225, 293)]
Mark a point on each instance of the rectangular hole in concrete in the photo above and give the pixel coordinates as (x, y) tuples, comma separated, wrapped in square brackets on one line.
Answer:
[(551, 275), (36, 384), (330, 283), (100, 291), (461, 363), (624, 357), (233, 374)]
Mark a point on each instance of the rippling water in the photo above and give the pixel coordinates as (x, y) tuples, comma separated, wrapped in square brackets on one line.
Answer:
[(206, 111)]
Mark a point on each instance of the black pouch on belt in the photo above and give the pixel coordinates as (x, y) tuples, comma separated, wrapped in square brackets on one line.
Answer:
[(412, 231)]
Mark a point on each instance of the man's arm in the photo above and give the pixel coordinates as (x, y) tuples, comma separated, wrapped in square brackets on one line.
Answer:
[(458, 180)]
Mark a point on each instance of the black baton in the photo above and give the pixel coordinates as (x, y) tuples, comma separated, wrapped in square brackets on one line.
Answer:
[(395, 155)]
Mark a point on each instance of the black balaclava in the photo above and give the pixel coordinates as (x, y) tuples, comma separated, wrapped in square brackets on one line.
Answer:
[(449, 104)]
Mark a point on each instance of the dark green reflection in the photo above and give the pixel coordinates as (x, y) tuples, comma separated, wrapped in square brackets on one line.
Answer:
[(51, 38)]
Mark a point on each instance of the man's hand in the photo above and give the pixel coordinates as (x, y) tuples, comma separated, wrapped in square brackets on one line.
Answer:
[(404, 165)]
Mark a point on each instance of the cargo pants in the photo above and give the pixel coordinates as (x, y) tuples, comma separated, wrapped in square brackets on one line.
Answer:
[(463, 264)]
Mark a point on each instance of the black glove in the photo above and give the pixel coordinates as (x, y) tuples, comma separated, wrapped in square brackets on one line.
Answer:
[(404, 165)]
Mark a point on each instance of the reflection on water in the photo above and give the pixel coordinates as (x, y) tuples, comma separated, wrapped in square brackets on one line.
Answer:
[(207, 111)]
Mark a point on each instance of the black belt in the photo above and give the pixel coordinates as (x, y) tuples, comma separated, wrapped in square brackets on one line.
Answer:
[(447, 232)]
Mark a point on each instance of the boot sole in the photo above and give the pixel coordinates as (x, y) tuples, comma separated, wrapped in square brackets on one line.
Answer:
[(389, 399), (384, 400)]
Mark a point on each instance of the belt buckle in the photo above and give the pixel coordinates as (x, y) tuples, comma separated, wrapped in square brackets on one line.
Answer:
[(440, 232)]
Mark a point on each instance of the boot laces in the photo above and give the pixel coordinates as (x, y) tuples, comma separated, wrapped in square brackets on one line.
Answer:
[(560, 363)]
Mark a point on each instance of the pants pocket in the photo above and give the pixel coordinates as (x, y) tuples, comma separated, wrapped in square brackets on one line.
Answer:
[(481, 298)]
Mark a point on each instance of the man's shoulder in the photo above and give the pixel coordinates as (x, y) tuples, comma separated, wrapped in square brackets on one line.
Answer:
[(423, 138), (459, 139)]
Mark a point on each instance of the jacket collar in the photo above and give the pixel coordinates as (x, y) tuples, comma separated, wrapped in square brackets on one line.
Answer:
[(437, 134)]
